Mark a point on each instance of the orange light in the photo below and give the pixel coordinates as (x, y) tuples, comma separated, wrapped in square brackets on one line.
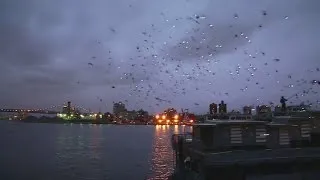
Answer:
[(176, 116), (168, 121), (176, 121), (191, 121), (163, 116), (159, 121), (157, 116)]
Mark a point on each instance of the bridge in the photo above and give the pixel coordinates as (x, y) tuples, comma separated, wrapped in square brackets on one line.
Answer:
[(50, 110), (39, 111)]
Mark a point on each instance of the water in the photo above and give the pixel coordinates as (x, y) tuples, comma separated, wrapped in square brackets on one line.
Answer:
[(88, 152)]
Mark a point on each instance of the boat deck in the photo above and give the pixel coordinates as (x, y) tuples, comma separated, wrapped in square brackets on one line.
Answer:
[(244, 157), (241, 164)]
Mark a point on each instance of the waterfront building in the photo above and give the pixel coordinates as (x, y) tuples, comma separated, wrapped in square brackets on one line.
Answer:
[(119, 108), (213, 108), (222, 107), (247, 110)]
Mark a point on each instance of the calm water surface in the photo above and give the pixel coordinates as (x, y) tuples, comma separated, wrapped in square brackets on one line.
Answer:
[(74, 151)]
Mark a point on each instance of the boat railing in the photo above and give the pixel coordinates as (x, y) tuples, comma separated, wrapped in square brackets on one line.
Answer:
[(266, 155)]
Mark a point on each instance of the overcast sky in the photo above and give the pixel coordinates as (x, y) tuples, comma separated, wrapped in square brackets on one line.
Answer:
[(157, 54)]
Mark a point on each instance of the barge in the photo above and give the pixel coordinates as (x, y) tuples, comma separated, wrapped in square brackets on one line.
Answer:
[(241, 149)]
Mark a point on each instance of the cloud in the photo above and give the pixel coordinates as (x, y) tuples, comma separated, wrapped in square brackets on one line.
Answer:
[(54, 51)]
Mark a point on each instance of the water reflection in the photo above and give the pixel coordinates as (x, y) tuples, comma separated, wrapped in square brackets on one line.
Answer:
[(95, 141), (176, 129), (78, 151), (162, 153)]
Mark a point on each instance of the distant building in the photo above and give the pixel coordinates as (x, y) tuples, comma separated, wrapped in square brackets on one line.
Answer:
[(222, 107), (108, 117), (64, 110), (98, 116), (119, 108), (68, 110), (213, 108), (247, 110), (142, 116), (263, 109), (234, 112), (131, 115), (141, 112), (264, 112)]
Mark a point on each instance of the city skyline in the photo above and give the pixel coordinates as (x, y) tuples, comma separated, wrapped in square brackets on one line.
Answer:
[(120, 108), (155, 55)]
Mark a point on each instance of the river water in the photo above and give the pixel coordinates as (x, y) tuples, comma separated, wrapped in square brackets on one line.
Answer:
[(91, 152)]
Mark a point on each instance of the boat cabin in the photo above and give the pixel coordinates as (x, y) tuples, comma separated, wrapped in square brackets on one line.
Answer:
[(304, 124), (243, 134), (235, 149)]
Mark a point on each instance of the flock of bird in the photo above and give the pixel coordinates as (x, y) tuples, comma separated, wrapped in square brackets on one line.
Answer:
[(163, 61)]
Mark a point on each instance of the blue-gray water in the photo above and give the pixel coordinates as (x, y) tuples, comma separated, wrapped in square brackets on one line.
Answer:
[(91, 152), (67, 152)]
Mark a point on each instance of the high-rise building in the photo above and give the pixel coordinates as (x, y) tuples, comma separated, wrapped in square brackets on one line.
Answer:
[(64, 110), (213, 108), (69, 108), (119, 108), (222, 107)]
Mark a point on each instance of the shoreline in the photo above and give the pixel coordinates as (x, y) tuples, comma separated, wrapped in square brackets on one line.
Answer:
[(95, 123)]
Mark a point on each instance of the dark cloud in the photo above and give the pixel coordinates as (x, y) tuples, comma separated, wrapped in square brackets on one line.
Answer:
[(54, 51)]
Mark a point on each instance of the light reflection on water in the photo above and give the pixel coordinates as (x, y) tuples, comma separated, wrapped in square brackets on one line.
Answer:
[(78, 148), (162, 154), (92, 152), (95, 152)]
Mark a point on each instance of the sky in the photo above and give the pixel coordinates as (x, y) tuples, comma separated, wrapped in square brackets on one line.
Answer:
[(157, 54)]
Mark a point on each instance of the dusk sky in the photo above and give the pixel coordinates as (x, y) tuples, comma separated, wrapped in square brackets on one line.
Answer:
[(158, 54)]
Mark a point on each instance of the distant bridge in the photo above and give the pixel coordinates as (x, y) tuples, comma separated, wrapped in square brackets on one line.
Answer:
[(50, 110), (29, 111)]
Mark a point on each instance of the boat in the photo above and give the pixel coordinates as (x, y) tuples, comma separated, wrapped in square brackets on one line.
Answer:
[(240, 149)]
